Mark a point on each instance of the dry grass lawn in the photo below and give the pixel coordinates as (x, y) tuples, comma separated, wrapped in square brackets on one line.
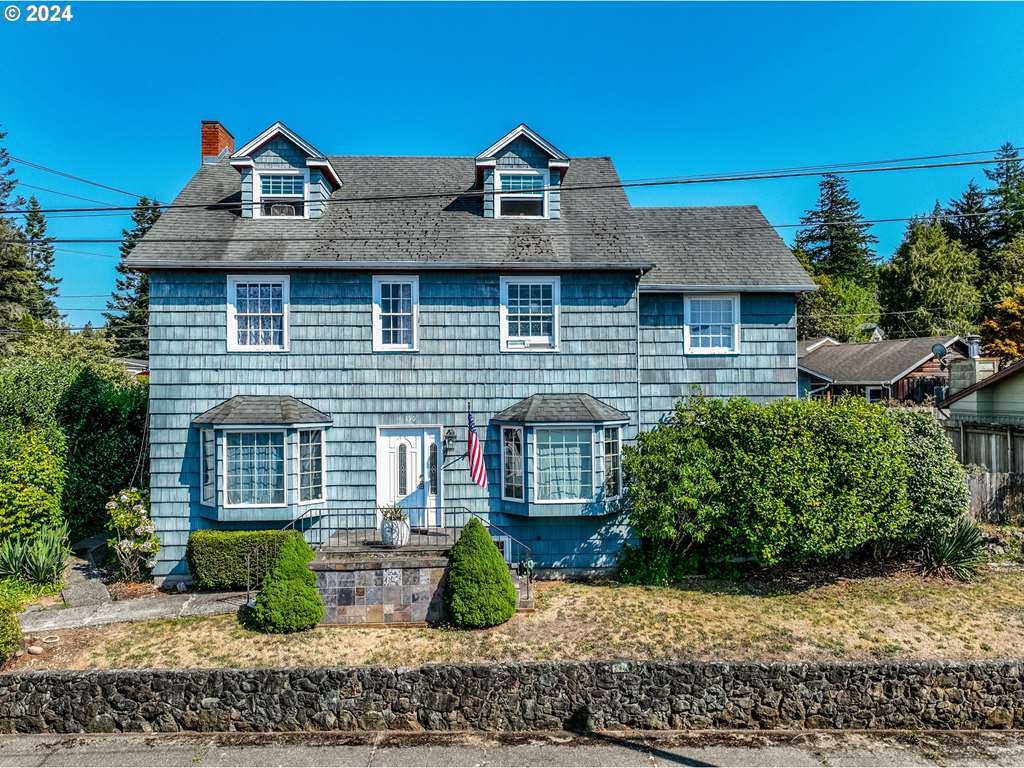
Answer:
[(876, 617)]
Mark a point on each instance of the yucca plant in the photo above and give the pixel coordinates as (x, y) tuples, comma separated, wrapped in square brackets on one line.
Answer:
[(958, 551), (12, 557), (46, 555)]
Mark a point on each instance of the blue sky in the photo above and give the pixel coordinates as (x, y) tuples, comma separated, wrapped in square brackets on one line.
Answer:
[(117, 94)]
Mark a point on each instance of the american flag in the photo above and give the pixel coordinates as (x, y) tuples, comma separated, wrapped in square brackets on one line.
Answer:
[(477, 470)]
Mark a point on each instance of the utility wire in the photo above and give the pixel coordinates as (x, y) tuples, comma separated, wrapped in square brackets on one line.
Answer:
[(753, 176), (72, 176), (58, 192)]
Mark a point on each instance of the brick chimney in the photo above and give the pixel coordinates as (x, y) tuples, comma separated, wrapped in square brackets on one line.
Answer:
[(215, 138)]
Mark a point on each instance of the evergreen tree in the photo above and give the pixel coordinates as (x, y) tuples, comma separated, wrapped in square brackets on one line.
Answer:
[(40, 260), (17, 281), (969, 220), (931, 281), (836, 239), (128, 315), (1006, 197), (7, 180), (1005, 273)]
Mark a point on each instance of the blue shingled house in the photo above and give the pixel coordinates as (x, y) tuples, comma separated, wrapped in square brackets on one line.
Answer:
[(319, 323)]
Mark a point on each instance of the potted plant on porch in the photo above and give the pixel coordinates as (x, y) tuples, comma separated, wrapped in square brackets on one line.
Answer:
[(394, 526)]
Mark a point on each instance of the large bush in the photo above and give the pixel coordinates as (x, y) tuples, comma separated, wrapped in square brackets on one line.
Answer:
[(223, 559), (10, 630), (479, 591), (288, 600), (789, 481), (32, 476), (937, 486)]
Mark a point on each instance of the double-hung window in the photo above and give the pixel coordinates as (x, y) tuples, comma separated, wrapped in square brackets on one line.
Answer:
[(529, 314), (396, 300), (254, 468), (711, 324), (521, 194), (208, 443), (512, 470), (612, 462), (311, 465), (257, 313), (564, 464), (281, 195)]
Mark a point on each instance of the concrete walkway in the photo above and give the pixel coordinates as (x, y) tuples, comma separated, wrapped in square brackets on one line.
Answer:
[(139, 609)]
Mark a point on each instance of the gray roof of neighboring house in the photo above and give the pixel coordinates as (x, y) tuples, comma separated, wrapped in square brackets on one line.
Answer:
[(565, 409), (598, 229), (262, 410), (878, 362), (803, 346)]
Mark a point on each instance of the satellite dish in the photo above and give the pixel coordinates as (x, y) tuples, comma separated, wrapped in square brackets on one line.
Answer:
[(939, 350)]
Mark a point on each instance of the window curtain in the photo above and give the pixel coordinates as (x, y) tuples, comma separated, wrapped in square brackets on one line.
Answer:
[(564, 464)]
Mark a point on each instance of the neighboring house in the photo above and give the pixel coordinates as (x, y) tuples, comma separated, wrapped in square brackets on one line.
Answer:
[(319, 324), (135, 366), (906, 370)]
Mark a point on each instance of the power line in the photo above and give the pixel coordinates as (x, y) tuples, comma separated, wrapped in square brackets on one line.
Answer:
[(58, 192), (72, 176), (673, 181)]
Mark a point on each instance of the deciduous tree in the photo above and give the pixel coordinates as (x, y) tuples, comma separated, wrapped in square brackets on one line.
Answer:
[(1003, 331)]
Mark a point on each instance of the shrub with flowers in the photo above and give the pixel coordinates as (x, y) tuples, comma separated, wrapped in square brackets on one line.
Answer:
[(134, 543)]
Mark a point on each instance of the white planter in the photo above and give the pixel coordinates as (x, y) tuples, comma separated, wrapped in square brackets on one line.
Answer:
[(394, 533)]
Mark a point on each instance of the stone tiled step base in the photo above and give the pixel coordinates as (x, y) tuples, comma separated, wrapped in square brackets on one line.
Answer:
[(403, 588)]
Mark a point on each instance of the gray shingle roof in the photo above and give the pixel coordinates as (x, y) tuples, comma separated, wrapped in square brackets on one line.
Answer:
[(262, 410), (878, 362), (568, 408), (598, 229), (718, 247)]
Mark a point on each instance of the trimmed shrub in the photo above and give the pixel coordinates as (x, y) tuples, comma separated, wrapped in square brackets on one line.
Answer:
[(218, 559), (937, 485), (31, 480), (793, 480), (288, 600), (10, 630), (479, 591)]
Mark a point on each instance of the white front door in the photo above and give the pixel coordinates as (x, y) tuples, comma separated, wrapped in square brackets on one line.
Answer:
[(409, 473)]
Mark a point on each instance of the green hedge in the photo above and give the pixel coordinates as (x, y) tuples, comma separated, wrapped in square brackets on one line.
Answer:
[(288, 600), (217, 559), (10, 630), (32, 477), (478, 590), (789, 481)]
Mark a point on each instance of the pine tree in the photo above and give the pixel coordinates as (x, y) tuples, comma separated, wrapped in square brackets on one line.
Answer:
[(17, 281), (40, 260), (931, 282), (1006, 197), (969, 220), (128, 315), (836, 239)]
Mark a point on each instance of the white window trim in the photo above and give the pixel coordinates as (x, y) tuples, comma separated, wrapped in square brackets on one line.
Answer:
[(412, 280), (518, 195), (522, 445), (211, 500), (224, 472), (689, 350), (604, 441), (531, 343), (536, 468), (257, 192), (298, 467), (506, 546), (881, 394), (232, 320)]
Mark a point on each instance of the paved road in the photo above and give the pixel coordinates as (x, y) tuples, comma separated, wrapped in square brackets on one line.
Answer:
[(679, 749)]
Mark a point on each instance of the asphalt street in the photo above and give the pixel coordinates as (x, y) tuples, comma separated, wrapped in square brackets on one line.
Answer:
[(548, 749)]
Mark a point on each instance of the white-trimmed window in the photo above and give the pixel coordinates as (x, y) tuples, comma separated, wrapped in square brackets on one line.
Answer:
[(529, 314), (612, 462), (874, 394), (208, 470), (396, 307), (257, 313), (711, 324), (521, 194), (254, 469), (564, 464), (278, 194), (512, 468), (311, 465)]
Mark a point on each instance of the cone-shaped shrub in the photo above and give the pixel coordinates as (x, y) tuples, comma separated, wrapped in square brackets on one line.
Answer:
[(479, 590), (288, 600)]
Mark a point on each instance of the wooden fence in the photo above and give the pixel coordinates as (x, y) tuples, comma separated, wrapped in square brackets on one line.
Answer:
[(997, 490), (997, 497)]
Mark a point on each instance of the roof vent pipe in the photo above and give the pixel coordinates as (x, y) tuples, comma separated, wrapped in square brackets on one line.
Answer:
[(973, 346)]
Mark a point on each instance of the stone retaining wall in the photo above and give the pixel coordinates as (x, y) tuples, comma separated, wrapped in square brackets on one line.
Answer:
[(534, 696)]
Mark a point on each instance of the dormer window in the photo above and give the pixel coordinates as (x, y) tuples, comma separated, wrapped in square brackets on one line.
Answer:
[(522, 194), (282, 195)]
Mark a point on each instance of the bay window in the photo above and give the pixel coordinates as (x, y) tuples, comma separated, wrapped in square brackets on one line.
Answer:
[(512, 470), (564, 465), (254, 468), (311, 465), (208, 470), (612, 462)]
